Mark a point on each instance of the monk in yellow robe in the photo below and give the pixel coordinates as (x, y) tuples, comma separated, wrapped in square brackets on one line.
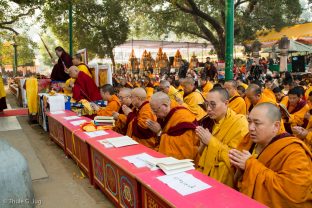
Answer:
[(121, 119), (176, 128), (268, 89), (255, 97), (205, 85), (281, 98), (137, 119), (221, 131), (170, 90), (241, 83), (193, 99), (2, 95), (113, 102), (297, 107), (276, 169), (77, 61), (236, 102)]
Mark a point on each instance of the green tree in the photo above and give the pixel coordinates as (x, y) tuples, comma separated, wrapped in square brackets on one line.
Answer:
[(25, 51), (13, 11), (98, 26), (206, 18)]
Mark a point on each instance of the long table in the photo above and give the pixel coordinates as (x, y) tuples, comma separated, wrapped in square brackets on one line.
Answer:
[(123, 183)]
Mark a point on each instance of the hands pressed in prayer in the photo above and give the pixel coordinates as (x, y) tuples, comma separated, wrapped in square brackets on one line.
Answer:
[(238, 158), (153, 126), (94, 106), (300, 132), (204, 134), (115, 115), (126, 110)]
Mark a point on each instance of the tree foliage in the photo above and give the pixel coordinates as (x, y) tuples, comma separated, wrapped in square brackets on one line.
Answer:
[(25, 51), (98, 26), (13, 11), (206, 18)]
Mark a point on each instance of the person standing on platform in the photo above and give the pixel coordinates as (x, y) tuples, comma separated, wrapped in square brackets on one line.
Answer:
[(276, 169), (3, 104), (113, 103), (170, 90), (221, 131), (236, 102), (175, 127), (136, 119), (59, 71), (84, 87), (193, 99), (77, 61), (121, 119)]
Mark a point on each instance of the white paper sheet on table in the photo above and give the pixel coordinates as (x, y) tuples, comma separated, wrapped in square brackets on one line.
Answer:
[(68, 118), (184, 183), (139, 160), (105, 143), (121, 141), (96, 133), (78, 122), (57, 112), (57, 103)]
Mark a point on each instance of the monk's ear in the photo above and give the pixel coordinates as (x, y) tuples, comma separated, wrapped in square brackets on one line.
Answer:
[(226, 102), (277, 126)]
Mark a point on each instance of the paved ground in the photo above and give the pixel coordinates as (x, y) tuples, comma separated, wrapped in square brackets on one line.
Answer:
[(55, 184)]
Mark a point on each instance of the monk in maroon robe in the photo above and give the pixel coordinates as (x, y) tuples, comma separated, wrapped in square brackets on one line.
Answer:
[(84, 86), (63, 63)]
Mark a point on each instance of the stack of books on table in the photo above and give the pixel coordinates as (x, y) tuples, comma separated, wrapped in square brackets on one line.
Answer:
[(171, 165), (104, 121)]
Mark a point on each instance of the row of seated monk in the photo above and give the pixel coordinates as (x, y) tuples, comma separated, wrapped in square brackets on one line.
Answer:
[(235, 133)]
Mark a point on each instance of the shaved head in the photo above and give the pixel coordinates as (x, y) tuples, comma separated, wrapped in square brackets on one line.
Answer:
[(188, 80), (160, 104), (164, 83), (233, 83), (253, 93), (139, 92), (222, 92), (125, 91), (270, 110), (73, 71), (254, 88), (264, 123), (160, 97)]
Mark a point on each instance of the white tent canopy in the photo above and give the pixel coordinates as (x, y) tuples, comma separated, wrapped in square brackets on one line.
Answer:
[(162, 44)]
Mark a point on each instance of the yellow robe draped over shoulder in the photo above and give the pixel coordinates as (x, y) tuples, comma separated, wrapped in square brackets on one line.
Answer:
[(113, 105), (183, 145), (137, 128), (149, 92), (120, 124), (32, 95), (269, 93), (226, 135), (173, 93), (84, 69), (192, 102), (208, 86), (237, 104), (296, 119), (281, 176)]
